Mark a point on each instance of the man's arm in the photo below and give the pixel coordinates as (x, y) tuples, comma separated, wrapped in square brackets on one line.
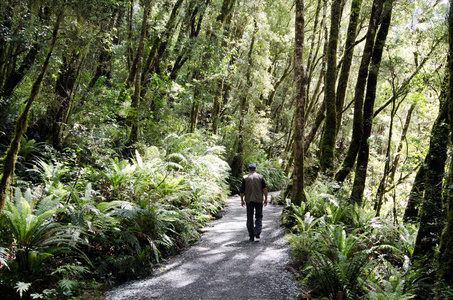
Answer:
[(242, 190), (263, 183)]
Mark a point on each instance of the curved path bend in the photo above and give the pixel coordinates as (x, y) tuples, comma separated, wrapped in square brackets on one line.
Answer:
[(224, 264)]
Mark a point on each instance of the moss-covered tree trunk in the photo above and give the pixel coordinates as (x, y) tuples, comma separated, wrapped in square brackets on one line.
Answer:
[(368, 108), (330, 126), (432, 212), (357, 130), (103, 67), (64, 89), (445, 272), (415, 196), (191, 27), (343, 77), (10, 158), (298, 195), (134, 116), (153, 63), (13, 71)]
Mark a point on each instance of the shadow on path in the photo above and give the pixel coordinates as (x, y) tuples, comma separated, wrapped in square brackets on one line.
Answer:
[(224, 264)]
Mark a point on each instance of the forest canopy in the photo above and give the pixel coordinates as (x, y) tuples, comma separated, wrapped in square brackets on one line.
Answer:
[(126, 124)]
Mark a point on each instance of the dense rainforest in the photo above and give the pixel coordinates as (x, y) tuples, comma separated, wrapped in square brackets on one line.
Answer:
[(126, 124)]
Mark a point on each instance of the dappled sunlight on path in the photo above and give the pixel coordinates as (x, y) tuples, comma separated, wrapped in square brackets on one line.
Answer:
[(224, 264)]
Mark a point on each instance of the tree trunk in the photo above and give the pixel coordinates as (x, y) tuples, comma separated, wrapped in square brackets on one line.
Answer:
[(432, 211), (215, 117), (16, 76), (382, 184), (134, 116), (396, 159), (298, 195), (64, 88), (357, 130), (330, 125), (445, 273), (317, 123), (223, 20), (416, 195), (343, 76), (226, 11), (288, 69), (191, 28), (130, 50), (194, 111), (9, 160), (10, 76), (317, 92), (152, 64), (105, 55), (311, 54), (363, 155)]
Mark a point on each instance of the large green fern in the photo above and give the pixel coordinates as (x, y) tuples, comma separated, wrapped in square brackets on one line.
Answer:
[(36, 236)]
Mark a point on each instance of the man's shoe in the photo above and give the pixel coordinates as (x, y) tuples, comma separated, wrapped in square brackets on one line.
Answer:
[(257, 236)]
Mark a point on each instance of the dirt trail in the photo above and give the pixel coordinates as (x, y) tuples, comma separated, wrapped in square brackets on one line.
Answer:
[(224, 264)]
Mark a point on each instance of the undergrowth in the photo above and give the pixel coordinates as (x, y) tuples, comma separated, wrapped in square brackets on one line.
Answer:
[(345, 252), (67, 224)]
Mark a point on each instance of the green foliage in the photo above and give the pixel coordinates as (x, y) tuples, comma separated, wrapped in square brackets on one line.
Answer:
[(344, 250), (391, 285), (129, 213), (134, 207), (273, 174), (341, 265), (35, 237), (22, 287), (3, 257), (118, 172), (29, 149)]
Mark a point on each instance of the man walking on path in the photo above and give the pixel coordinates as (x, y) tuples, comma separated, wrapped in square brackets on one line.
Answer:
[(253, 188)]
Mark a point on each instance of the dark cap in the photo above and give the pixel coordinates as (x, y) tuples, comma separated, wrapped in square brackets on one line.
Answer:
[(252, 167)]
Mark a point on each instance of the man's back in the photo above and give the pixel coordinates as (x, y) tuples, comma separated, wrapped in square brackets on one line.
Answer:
[(254, 187)]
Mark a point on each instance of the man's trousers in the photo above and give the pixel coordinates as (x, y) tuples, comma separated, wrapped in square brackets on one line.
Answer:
[(254, 208)]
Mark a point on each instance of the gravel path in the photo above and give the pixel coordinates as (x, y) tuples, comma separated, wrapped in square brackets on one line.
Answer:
[(224, 264)]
